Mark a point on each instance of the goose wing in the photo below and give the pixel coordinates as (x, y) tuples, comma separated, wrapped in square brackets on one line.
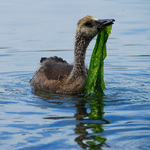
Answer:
[(56, 68)]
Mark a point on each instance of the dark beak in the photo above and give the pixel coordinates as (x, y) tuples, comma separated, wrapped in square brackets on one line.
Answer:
[(101, 23)]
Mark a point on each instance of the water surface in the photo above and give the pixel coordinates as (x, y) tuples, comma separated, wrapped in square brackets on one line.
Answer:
[(32, 119)]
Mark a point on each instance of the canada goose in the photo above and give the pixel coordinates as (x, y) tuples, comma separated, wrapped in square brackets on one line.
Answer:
[(56, 75)]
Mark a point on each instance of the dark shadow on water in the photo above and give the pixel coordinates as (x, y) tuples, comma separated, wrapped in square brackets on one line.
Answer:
[(89, 126)]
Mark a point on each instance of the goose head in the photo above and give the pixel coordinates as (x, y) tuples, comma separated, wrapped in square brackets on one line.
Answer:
[(89, 26)]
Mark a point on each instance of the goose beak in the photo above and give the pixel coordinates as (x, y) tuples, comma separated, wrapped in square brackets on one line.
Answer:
[(101, 23)]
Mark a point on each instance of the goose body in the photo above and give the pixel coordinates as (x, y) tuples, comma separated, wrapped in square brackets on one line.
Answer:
[(56, 75)]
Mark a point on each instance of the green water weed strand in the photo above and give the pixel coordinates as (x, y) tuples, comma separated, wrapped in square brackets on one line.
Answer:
[(95, 80)]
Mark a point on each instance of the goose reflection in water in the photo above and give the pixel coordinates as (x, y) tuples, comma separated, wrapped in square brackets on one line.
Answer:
[(94, 122), (89, 128)]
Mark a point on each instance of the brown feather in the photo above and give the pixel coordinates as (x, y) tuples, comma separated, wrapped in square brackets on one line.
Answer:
[(56, 68)]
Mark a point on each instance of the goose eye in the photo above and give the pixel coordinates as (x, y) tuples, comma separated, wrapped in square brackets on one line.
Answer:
[(88, 24)]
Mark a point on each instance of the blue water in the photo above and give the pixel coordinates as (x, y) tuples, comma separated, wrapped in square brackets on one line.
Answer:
[(37, 120)]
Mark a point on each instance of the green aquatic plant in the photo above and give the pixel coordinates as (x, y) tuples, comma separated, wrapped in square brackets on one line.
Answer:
[(96, 141), (95, 80)]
